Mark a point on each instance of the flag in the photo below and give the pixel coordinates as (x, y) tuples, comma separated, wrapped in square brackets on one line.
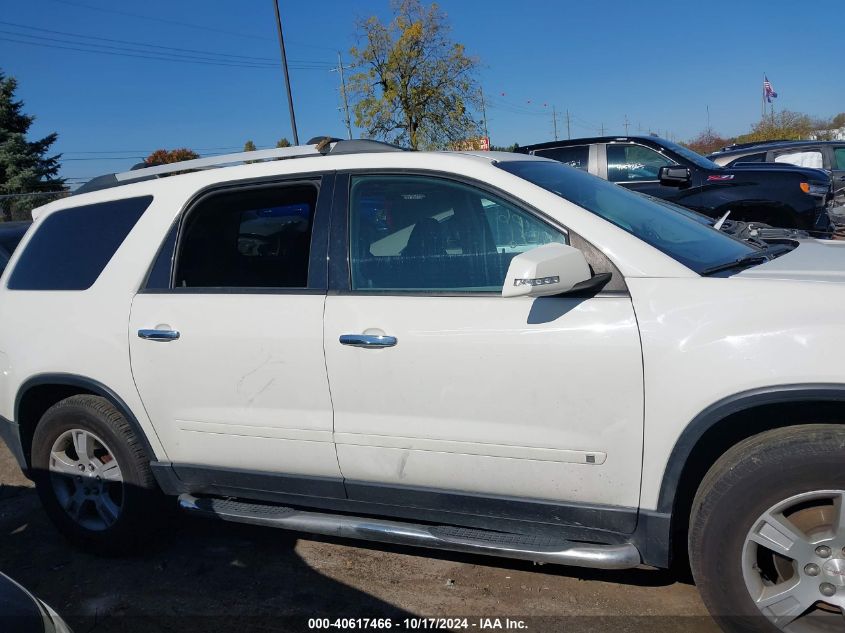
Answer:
[(768, 91)]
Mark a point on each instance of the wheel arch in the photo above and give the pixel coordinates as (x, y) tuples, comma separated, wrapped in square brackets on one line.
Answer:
[(40, 392), (722, 425)]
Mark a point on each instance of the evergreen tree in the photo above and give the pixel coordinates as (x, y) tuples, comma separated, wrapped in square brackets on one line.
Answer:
[(24, 165)]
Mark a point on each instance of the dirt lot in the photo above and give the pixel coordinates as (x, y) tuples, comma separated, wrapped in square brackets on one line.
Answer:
[(208, 576)]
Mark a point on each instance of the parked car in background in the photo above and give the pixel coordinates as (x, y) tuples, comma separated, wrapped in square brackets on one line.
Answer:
[(827, 155), (782, 196), (23, 612), (11, 234)]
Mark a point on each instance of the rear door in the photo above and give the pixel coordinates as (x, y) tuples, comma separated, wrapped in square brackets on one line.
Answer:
[(227, 350)]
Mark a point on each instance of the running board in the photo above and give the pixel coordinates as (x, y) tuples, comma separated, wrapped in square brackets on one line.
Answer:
[(539, 549)]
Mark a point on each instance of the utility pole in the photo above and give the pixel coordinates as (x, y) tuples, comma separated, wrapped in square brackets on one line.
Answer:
[(339, 69), (484, 116), (626, 125), (708, 118), (602, 128), (554, 120), (568, 133), (285, 70)]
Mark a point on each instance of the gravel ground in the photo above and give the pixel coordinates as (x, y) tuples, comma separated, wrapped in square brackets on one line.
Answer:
[(209, 576)]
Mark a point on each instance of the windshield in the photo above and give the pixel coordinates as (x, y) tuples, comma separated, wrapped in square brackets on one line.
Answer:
[(694, 157), (679, 235)]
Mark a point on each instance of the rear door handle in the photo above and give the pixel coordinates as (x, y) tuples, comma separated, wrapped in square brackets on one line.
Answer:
[(158, 335), (367, 340)]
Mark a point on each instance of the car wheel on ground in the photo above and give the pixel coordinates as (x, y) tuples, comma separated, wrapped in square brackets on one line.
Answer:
[(768, 530), (93, 476)]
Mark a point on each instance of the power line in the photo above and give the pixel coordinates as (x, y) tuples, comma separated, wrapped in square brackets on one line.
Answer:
[(152, 57), (190, 25), (147, 45), (107, 48)]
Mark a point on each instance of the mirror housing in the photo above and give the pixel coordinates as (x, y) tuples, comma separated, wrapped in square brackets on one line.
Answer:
[(674, 176), (547, 270)]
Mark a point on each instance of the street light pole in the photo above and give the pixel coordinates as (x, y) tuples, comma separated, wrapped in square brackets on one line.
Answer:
[(285, 70)]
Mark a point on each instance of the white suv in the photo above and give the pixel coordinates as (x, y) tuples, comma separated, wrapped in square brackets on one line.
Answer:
[(484, 352)]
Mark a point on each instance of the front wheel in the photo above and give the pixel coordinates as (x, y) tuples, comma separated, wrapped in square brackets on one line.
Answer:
[(93, 476), (767, 533)]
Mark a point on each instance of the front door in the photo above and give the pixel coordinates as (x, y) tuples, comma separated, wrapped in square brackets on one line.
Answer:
[(636, 167), (443, 389), (228, 358)]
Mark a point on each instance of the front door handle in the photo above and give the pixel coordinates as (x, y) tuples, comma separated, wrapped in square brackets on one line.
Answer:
[(158, 335), (367, 340)]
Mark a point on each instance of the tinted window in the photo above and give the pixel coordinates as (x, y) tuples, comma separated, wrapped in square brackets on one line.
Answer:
[(751, 158), (71, 247), (577, 156), (631, 163), (419, 233), (802, 158), (257, 238), (655, 222), (839, 158)]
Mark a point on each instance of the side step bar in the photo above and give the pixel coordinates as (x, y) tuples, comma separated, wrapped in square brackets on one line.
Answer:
[(535, 548)]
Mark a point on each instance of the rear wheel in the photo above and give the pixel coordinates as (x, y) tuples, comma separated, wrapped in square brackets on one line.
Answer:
[(93, 476), (767, 533)]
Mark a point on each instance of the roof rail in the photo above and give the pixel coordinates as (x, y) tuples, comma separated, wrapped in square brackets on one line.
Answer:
[(316, 147)]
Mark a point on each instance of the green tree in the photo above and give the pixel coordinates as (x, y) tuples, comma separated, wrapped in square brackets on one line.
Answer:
[(839, 120), (283, 142), (413, 86), (249, 146), (781, 125), (165, 156), (25, 167)]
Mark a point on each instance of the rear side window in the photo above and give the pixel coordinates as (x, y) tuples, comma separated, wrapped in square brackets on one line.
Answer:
[(751, 158), (72, 247), (256, 238), (802, 158), (577, 156), (839, 158)]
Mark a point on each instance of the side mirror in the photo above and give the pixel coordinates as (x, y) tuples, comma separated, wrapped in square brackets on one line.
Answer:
[(550, 269), (674, 176)]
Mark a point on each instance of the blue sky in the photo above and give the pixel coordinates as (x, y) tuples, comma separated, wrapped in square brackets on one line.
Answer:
[(658, 64)]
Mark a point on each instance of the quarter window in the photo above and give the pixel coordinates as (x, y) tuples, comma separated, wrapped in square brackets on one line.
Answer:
[(632, 163), (257, 238), (419, 233), (577, 156), (72, 246)]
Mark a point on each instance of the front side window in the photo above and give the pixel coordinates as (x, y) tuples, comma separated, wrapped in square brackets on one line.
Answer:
[(632, 163), (416, 233), (577, 156), (661, 224), (802, 158), (257, 238)]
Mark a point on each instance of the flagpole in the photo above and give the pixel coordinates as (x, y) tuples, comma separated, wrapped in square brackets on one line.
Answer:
[(763, 99)]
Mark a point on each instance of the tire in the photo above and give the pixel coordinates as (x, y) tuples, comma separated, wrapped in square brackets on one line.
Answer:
[(134, 505), (796, 473)]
